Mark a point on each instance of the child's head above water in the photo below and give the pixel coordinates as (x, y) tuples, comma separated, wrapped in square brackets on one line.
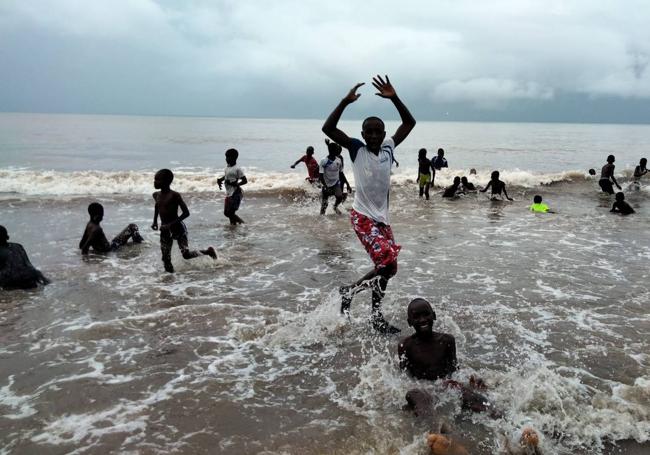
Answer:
[(441, 153), (463, 179), (333, 149), (643, 162), (495, 175), (592, 172), (456, 181), (309, 151), (420, 315), (422, 153), (537, 199), (373, 131), (231, 156), (163, 178), (620, 196), (96, 211), (611, 159)]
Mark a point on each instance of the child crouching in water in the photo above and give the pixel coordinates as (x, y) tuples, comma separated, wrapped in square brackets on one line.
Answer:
[(234, 177)]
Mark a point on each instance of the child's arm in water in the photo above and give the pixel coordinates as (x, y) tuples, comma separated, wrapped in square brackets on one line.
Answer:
[(154, 225), (330, 126), (614, 207), (506, 193), (486, 187), (614, 180), (386, 90)]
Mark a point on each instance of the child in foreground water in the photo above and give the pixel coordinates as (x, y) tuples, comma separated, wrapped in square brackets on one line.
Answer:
[(498, 187), (94, 237)]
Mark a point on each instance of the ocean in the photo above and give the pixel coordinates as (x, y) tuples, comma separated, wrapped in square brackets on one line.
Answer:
[(248, 354)]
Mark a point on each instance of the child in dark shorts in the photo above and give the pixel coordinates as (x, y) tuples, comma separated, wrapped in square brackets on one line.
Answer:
[(234, 177), (607, 176), (172, 227)]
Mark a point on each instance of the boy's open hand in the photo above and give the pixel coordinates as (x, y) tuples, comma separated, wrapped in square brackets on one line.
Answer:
[(352, 95), (385, 89)]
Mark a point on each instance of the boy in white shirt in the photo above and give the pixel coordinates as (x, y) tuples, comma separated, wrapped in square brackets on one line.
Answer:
[(329, 172), (234, 177), (371, 163)]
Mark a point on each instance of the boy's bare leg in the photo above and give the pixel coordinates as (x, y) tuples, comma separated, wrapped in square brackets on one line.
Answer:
[(166, 242)]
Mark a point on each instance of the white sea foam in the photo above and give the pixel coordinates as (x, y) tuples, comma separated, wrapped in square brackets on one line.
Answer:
[(90, 182)]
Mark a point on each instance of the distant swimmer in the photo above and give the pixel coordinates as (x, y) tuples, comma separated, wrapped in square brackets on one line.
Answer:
[(453, 190), (234, 178), (538, 206), (172, 227), (472, 171), (466, 186), (620, 206), (607, 176), (310, 162), (592, 172), (94, 237), (329, 174), (438, 162), (497, 187), (424, 173), (371, 164), (640, 171), (16, 271)]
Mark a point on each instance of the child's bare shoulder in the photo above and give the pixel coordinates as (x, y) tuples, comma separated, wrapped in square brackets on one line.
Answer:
[(156, 195)]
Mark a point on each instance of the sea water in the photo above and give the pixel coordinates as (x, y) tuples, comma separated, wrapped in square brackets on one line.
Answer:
[(248, 354)]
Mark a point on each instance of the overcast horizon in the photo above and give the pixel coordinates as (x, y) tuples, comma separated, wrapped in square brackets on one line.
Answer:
[(530, 61)]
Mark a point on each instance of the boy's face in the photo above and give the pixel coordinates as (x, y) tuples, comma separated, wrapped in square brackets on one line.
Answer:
[(373, 133), (420, 317), (231, 160), (157, 181)]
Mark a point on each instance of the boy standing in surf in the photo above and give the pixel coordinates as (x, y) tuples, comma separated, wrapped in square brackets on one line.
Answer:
[(371, 164), (607, 176), (234, 177), (497, 187), (311, 163), (172, 227)]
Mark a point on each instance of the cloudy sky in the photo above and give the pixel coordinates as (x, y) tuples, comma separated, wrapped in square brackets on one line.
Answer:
[(504, 60)]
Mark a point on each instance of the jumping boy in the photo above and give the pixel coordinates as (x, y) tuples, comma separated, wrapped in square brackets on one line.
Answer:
[(425, 168), (16, 271), (620, 206), (607, 176), (93, 237), (329, 174), (497, 187), (172, 227), (234, 177), (371, 164), (311, 163)]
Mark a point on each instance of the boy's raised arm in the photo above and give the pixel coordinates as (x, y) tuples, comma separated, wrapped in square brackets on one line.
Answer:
[(386, 90), (330, 126)]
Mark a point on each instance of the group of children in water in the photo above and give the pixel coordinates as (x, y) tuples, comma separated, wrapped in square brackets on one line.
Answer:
[(425, 354)]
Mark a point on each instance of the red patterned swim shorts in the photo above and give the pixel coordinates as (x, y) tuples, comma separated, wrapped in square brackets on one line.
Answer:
[(377, 239)]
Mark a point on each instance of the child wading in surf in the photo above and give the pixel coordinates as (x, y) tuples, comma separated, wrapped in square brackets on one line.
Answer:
[(371, 164), (498, 187)]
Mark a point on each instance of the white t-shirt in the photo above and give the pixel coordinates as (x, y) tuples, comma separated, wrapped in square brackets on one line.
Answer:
[(232, 174), (372, 179), (330, 170)]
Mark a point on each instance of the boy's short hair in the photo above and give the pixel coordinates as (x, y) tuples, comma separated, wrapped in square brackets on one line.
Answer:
[(310, 150), (495, 174), (463, 179), (333, 147), (95, 208), (592, 171), (167, 175), (620, 196), (441, 150), (363, 125), (611, 158), (420, 300), (232, 153), (3, 233), (537, 199)]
